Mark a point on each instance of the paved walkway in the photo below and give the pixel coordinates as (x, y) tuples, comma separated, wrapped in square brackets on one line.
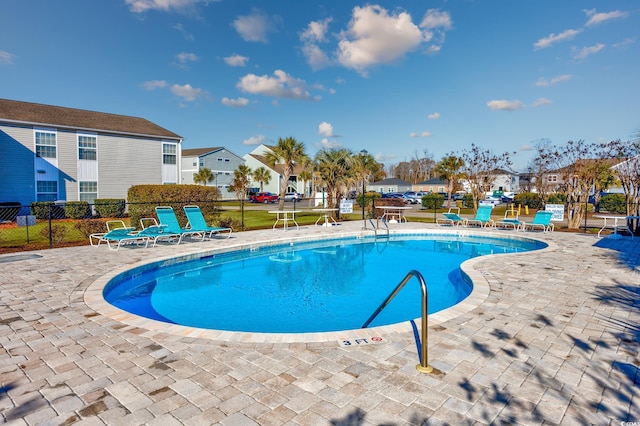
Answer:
[(554, 341)]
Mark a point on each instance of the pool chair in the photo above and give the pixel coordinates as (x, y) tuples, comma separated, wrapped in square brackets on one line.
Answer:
[(169, 222), (156, 232), (542, 221), (483, 217), (451, 218), (197, 222), (117, 234), (509, 222)]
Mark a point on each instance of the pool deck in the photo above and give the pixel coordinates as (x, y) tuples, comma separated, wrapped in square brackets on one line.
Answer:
[(550, 337)]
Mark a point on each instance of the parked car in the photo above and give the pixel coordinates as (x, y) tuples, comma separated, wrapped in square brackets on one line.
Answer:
[(457, 196), (416, 195), (264, 197), (398, 196), (290, 196)]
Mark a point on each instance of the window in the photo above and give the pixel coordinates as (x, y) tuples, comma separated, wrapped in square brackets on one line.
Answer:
[(88, 191), (46, 144), (226, 160), (552, 178), (219, 159), (201, 162), (169, 153), (47, 190), (195, 163), (87, 148)]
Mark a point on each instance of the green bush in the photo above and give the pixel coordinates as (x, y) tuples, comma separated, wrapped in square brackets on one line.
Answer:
[(143, 199), (77, 209), (467, 201), (557, 198), (368, 197), (530, 199), (110, 207), (614, 203), (432, 201), (228, 222), (41, 209), (58, 232)]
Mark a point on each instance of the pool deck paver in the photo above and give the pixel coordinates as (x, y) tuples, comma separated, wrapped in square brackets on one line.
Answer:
[(553, 339)]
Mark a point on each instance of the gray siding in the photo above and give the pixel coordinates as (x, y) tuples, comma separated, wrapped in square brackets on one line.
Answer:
[(17, 164), (124, 162), (68, 163)]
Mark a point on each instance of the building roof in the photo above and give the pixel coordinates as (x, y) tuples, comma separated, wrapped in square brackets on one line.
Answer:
[(278, 168), (197, 152), (19, 112), (391, 181), (433, 181)]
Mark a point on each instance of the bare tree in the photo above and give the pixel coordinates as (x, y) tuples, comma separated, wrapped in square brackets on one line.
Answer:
[(480, 167), (628, 172)]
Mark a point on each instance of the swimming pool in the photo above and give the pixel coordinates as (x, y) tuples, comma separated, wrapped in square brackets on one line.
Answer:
[(320, 286)]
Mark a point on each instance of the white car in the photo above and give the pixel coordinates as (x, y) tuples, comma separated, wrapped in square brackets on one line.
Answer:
[(290, 196)]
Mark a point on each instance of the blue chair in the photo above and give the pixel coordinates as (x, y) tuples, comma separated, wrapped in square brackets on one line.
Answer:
[(483, 217), (507, 222), (198, 223), (541, 220), (169, 223), (451, 218), (117, 234)]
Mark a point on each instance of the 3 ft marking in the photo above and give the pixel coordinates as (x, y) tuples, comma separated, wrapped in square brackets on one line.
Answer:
[(362, 341)]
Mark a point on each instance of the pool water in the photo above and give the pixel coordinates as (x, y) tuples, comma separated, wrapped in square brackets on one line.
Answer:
[(306, 287)]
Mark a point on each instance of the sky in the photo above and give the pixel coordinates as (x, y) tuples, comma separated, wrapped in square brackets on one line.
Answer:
[(400, 79)]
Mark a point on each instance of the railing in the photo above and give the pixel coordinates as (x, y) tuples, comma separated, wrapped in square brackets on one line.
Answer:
[(424, 366)]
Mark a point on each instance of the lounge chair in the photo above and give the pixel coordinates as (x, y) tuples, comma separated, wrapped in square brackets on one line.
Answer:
[(507, 222), (117, 234), (451, 218), (198, 223), (169, 222), (155, 232), (483, 217), (542, 221)]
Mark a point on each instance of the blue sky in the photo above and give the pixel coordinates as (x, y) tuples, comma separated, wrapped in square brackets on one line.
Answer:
[(395, 78)]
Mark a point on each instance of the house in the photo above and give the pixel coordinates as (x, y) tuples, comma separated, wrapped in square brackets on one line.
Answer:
[(257, 158), (431, 185), (219, 160), (389, 185), (504, 181), (50, 153)]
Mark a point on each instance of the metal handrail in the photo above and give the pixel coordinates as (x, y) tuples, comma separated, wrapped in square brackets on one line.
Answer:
[(424, 366)]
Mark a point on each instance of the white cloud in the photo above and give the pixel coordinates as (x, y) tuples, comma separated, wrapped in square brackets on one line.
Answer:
[(139, 6), (426, 134), (325, 129), (154, 84), (586, 51), (434, 19), (256, 26), (624, 43), (329, 144), (236, 60), (541, 101), (6, 57), (187, 35), (554, 80), (316, 31), (504, 105), (311, 38), (237, 103), (185, 57), (598, 18), (376, 37), (545, 42), (420, 135), (434, 116), (255, 140), (280, 85), (187, 92), (316, 57)]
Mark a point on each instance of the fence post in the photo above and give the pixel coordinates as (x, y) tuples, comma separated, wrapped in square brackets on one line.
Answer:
[(50, 226)]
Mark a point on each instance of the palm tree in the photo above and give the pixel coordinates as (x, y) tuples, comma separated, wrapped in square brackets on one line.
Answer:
[(450, 169), (287, 152), (241, 181), (262, 176), (203, 176), (334, 166)]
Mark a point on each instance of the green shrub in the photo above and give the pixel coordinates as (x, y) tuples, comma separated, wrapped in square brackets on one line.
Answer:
[(110, 207), (143, 199), (432, 201), (228, 222), (77, 209), (368, 197), (530, 199), (614, 203), (467, 201), (41, 209), (557, 198)]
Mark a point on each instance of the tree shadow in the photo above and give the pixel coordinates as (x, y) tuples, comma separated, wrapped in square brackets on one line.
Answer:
[(627, 253)]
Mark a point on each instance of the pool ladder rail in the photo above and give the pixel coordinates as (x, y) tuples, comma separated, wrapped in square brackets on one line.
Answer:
[(424, 366), (376, 227)]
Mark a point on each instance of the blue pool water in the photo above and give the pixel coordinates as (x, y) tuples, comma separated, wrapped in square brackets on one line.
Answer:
[(328, 285)]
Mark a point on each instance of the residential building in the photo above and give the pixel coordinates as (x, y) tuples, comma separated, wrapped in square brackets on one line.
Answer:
[(219, 160), (389, 185), (53, 153), (431, 185), (257, 158)]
